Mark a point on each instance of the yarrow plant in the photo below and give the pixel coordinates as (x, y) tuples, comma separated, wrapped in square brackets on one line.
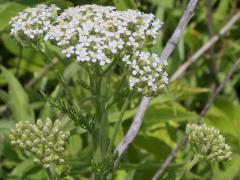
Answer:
[(103, 41), (45, 140), (99, 38)]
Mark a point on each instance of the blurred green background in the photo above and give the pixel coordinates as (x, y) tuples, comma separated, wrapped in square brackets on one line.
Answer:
[(24, 72)]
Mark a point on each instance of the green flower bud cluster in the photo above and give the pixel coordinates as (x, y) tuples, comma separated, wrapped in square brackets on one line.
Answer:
[(208, 143), (45, 140)]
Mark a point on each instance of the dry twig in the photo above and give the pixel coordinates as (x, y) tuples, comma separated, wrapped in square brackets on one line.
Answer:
[(181, 70), (212, 64)]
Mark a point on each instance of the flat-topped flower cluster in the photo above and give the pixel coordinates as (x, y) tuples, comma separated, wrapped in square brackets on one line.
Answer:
[(208, 143), (45, 140), (100, 35), (33, 23)]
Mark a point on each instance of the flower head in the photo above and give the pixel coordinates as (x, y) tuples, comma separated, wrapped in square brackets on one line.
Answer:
[(93, 33), (99, 35), (147, 74), (32, 23), (208, 143), (45, 140)]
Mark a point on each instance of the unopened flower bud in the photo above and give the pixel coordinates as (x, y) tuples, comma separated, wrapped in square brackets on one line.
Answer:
[(208, 143), (47, 146)]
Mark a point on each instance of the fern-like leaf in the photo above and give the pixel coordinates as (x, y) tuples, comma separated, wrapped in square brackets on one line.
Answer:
[(83, 120)]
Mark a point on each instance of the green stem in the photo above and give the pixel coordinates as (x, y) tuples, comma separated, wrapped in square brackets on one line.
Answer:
[(188, 167), (19, 61), (100, 129), (49, 173), (44, 51), (119, 122), (107, 69)]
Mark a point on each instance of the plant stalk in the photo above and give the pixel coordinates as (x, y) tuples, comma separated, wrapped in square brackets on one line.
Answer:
[(118, 123), (100, 130), (188, 167), (50, 174)]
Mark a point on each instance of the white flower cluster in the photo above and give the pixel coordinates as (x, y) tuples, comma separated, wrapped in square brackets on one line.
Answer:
[(93, 33), (33, 23), (45, 141), (208, 143), (101, 34), (147, 72)]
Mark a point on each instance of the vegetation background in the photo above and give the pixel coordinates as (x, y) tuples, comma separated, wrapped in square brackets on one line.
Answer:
[(24, 73)]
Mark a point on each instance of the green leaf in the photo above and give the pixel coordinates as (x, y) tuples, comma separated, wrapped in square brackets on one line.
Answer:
[(3, 96), (63, 4), (231, 169), (124, 175), (157, 48), (10, 44), (22, 168), (7, 11), (6, 125), (125, 4), (165, 113), (17, 100), (70, 71), (224, 115), (163, 3), (75, 144), (153, 145), (182, 90)]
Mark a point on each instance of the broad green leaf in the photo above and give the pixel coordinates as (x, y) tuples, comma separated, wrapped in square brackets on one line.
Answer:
[(18, 99), (125, 4), (222, 8), (6, 125), (166, 113), (7, 11), (153, 145), (22, 168), (63, 4), (161, 131), (3, 96), (124, 175), (12, 46), (120, 175), (75, 144), (231, 169), (181, 90), (70, 71), (36, 174), (159, 112), (157, 48), (163, 3), (224, 115), (12, 157)]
